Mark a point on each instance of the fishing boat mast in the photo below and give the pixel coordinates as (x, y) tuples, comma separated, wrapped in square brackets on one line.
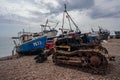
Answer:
[(69, 19)]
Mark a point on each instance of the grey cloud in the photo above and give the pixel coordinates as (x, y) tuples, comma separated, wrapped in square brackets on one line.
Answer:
[(109, 9), (12, 19), (80, 4), (36, 13), (97, 13), (72, 5)]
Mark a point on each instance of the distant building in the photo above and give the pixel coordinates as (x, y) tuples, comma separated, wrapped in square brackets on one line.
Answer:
[(117, 34)]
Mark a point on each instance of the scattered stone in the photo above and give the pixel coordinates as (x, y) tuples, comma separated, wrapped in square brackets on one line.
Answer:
[(25, 68)]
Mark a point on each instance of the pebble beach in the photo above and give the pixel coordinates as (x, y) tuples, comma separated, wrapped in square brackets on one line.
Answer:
[(25, 68)]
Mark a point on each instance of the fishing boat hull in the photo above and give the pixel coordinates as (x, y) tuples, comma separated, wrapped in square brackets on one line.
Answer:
[(32, 47)]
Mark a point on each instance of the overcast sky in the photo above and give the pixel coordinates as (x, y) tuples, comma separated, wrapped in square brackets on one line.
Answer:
[(29, 14)]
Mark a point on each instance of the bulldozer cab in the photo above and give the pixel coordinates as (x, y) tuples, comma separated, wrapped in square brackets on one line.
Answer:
[(77, 42), (68, 44), (89, 39)]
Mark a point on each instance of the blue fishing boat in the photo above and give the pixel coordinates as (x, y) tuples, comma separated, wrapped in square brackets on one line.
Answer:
[(27, 44)]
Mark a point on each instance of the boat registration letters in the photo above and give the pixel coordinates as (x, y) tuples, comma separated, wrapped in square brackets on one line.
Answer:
[(37, 43)]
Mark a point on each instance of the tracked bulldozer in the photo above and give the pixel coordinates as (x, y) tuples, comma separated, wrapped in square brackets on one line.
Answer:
[(81, 52)]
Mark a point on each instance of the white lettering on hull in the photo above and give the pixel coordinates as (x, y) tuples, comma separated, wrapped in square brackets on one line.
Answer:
[(36, 43)]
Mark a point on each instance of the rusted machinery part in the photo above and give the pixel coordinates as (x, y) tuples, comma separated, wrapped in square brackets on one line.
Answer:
[(92, 59), (103, 49), (97, 61), (54, 58), (104, 52)]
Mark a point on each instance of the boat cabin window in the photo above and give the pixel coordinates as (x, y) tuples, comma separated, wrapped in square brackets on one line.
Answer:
[(25, 38)]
